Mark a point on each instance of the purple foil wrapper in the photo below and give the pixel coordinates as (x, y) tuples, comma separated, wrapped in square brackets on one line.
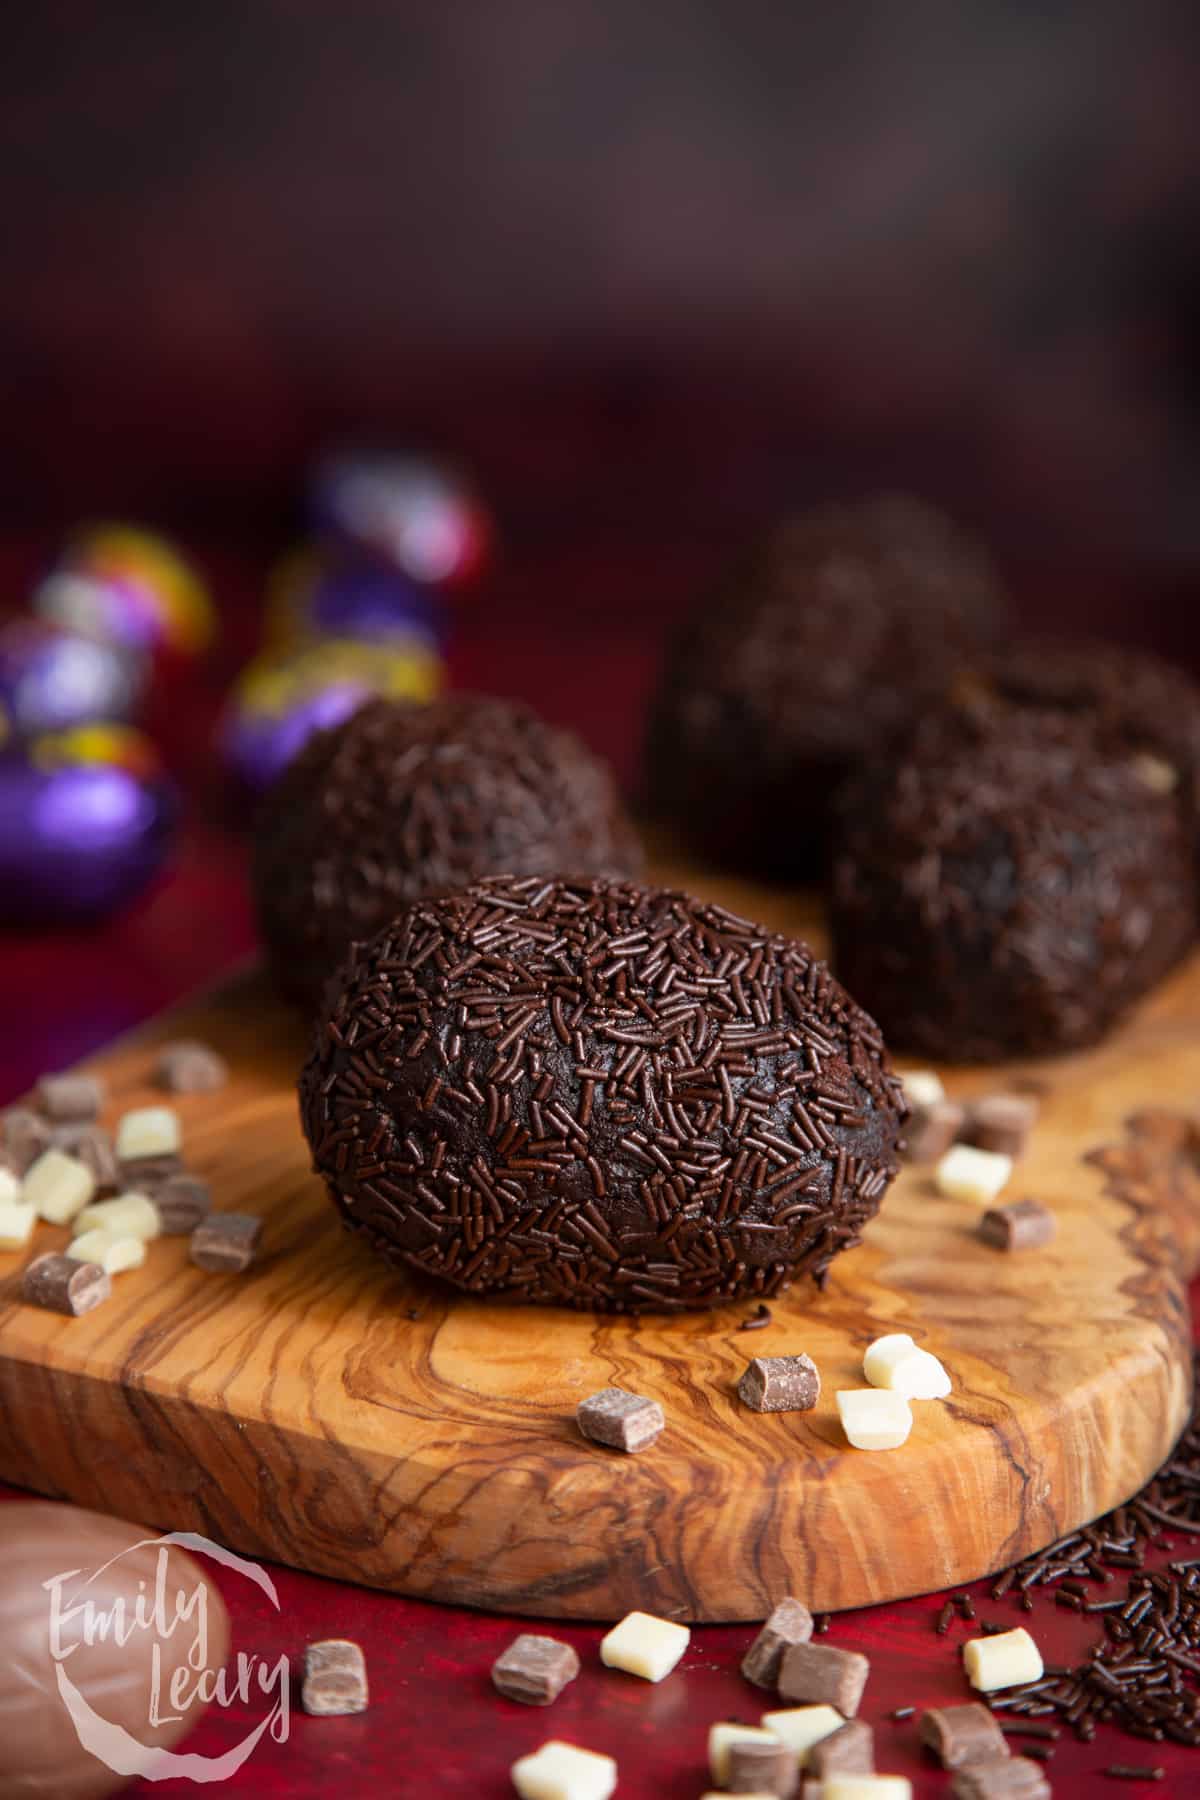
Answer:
[(357, 600), (79, 839), (52, 680), (287, 695), (413, 514)]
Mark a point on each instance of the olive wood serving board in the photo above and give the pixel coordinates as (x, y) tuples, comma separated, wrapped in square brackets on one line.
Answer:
[(328, 1412)]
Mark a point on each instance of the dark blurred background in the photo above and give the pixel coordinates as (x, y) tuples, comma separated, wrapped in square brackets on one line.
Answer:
[(653, 270)]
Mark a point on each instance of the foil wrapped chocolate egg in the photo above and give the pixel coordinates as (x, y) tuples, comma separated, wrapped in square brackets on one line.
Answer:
[(314, 596), (410, 513), (77, 1705), (129, 587), (52, 679), (86, 818), (287, 695)]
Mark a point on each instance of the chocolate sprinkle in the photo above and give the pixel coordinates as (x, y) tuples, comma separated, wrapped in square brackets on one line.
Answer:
[(599, 1095), (829, 634), (1006, 883), (1143, 1673), (403, 800)]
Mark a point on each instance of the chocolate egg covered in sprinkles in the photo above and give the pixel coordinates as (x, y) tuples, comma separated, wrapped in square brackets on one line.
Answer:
[(1008, 882), (403, 800), (599, 1095)]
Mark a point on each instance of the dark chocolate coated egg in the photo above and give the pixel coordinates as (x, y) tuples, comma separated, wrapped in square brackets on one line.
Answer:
[(598, 1095)]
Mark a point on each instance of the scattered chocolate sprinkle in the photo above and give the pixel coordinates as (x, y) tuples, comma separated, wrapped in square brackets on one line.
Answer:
[(820, 1624), (1133, 1772), (741, 1110), (1005, 884), (757, 1319), (942, 1623), (902, 1712), (403, 800)]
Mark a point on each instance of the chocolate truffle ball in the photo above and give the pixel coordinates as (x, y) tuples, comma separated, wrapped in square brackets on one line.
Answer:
[(1138, 698), (403, 800), (57, 1560), (830, 634), (599, 1095), (1007, 882)]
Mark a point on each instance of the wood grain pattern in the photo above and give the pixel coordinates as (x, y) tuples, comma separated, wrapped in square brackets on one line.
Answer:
[(328, 1412)]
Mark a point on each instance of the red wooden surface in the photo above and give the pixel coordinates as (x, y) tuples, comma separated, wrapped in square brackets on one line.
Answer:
[(435, 1727)]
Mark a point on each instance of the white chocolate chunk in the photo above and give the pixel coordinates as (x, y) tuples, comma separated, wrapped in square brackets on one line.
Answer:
[(17, 1220), (643, 1645), (560, 1771), (1006, 1660), (897, 1363), (976, 1176), (879, 1356), (800, 1727), (10, 1188), (922, 1088), (58, 1186), (112, 1253), (720, 1738), (148, 1131), (874, 1418), (129, 1215), (866, 1787)]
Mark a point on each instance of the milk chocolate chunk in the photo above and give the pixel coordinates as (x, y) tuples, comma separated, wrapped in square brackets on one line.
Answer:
[(405, 800), (962, 1734), (756, 1767), (1021, 1225), (1007, 1778), (958, 912), (780, 1384), (619, 1419), (183, 1201), (226, 1242), (63, 1285), (933, 1130), (146, 1174), (1002, 1122), (535, 1043), (534, 1670), (812, 1674), (190, 1068), (848, 1751), (91, 1145), (67, 1099), (335, 1679), (789, 1622), (23, 1137)]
